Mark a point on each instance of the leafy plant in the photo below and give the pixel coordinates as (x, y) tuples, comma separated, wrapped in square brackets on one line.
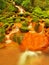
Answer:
[(18, 1), (2, 34), (27, 5), (38, 12), (17, 38), (2, 4), (11, 8), (46, 23)]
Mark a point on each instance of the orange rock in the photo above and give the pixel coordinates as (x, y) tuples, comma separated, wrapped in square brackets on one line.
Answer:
[(34, 41)]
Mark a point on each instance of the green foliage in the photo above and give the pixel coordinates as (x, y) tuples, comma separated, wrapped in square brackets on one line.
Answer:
[(18, 20), (44, 4), (40, 13), (2, 34), (32, 2), (17, 38), (24, 29), (11, 8), (27, 14), (18, 2), (47, 23), (7, 6), (0, 11), (35, 18), (2, 4), (44, 14), (25, 24), (40, 3), (8, 20), (27, 5), (22, 18), (2, 30), (37, 10)]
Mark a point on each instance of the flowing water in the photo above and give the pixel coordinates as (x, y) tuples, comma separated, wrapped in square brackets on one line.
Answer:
[(21, 10), (34, 58)]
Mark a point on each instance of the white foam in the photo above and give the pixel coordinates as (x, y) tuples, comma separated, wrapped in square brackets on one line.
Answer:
[(25, 54)]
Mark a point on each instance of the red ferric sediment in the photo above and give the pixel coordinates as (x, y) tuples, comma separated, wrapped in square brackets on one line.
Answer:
[(34, 41)]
